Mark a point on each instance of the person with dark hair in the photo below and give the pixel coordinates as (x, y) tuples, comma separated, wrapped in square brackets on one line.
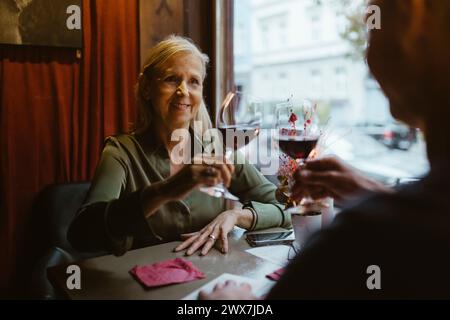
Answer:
[(387, 245)]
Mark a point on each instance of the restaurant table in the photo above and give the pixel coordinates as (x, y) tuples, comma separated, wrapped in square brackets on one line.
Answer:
[(108, 277)]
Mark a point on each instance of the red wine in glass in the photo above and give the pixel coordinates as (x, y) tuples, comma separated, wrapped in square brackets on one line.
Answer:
[(297, 147), (239, 135)]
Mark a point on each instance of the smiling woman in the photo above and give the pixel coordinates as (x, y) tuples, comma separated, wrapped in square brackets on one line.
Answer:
[(140, 197), (176, 91), (161, 74)]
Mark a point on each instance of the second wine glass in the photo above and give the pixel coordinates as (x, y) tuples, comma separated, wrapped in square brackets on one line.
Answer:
[(297, 134)]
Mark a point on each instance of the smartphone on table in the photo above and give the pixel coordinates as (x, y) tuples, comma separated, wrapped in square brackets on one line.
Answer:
[(270, 238)]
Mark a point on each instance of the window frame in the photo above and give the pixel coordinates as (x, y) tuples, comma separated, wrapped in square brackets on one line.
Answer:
[(223, 48)]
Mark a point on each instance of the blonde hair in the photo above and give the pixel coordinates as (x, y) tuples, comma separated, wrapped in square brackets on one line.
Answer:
[(157, 56)]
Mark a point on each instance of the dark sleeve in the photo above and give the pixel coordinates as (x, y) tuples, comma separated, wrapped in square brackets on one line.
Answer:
[(403, 235), (108, 226), (109, 219), (333, 265)]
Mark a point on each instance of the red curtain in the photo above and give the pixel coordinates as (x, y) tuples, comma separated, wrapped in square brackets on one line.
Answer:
[(55, 111)]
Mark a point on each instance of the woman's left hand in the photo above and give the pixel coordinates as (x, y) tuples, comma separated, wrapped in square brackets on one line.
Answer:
[(215, 233)]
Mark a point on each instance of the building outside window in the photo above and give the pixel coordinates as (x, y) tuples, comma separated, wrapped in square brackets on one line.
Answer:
[(341, 80), (296, 48), (316, 82), (316, 28)]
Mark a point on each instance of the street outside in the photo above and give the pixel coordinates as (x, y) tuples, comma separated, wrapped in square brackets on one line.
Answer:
[(376, 159), (364, 153)]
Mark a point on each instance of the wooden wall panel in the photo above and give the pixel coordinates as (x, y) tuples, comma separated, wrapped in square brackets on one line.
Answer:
[(158, 19)]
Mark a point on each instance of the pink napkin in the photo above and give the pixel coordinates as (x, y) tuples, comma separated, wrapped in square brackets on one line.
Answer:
[(276, 275), (167, 272)]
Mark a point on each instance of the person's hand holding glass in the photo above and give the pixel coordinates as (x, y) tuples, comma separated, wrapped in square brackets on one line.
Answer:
[(298, 133)]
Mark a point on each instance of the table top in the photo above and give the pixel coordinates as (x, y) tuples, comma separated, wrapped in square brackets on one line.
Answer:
[(108, 277)]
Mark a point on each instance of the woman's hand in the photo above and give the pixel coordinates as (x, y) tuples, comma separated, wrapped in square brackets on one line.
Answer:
[(206, 171), (229, 290), (215, 233), (330, 177)]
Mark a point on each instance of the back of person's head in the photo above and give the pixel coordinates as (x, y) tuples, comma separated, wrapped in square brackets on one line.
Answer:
[(409, 57), (156, 57)]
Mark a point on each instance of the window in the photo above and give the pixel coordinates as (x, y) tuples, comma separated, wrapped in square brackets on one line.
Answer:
[(316, 28), (298, 49), (266, 34), (341, 24), (282, 31), (341, 80), (272, 30), (240, 40), (316, 82)]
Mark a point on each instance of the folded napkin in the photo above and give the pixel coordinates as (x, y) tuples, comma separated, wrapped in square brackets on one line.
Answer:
[(167, 272), (276, 275)]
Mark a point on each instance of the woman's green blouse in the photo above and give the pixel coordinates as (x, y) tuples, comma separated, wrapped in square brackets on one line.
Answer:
[(112, 218)]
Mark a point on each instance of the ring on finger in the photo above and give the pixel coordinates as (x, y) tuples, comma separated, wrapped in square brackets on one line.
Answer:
[(212, 237)]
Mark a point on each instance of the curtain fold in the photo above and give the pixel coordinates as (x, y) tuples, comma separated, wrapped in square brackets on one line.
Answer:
[(55, 111)]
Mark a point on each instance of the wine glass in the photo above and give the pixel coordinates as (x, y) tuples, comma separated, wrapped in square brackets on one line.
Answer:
[(238, 122), (298, 134)]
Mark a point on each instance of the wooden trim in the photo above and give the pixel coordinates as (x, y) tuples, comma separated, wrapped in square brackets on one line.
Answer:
[(223, 52), (199, 26), (158, 19)]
